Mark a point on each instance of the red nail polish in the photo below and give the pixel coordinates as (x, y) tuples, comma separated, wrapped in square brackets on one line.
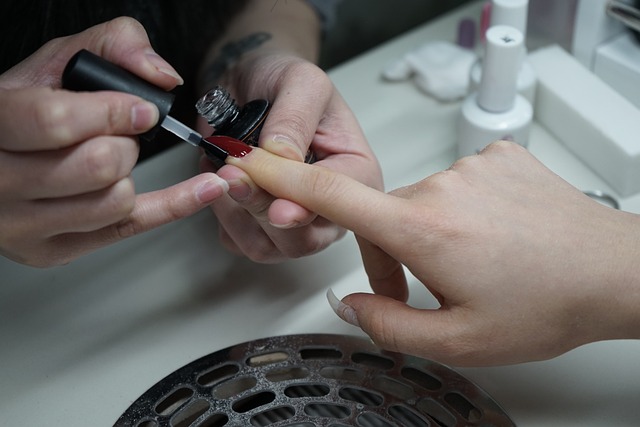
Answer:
[(232, 146)]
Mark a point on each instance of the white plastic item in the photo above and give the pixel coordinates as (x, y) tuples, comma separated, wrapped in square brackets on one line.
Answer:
[(438, 68), (592, 27), (513, 13), (525, 84), (496, 111), (618, 64), (510, 12), (600, 126)]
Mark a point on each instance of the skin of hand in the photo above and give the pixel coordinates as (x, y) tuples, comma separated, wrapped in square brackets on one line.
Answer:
[(525, 266), (66, 158), (307, 111)]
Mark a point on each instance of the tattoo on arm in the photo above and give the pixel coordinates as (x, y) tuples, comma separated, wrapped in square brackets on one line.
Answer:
[(229, 53)]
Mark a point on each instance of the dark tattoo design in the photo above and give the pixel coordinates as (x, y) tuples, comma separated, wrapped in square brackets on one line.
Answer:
[(230, 52)]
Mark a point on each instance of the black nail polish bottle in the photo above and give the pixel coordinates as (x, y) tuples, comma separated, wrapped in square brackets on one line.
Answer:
[(227, 118)]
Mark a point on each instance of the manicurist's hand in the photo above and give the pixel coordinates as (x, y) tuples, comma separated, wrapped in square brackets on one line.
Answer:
[(66, 158), (277, 63), (307, 113), (524, 265)]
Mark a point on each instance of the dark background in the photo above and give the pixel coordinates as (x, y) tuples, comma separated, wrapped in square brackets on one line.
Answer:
[(363, 24)]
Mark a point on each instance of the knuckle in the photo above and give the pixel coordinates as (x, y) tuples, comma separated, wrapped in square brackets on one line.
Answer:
[(297, 127), (104, 162), (320, 180), (53, 118), (121, 199), (124, 25), (117, 114)]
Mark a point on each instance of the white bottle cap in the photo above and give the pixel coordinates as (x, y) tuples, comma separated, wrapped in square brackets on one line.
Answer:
[(510, 12), (500, 68)]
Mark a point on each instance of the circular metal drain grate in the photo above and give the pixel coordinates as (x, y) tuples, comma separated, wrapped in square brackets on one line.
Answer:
[(313, 380)]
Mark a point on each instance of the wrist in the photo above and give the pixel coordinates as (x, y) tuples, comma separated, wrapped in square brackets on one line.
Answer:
[(617, 278)]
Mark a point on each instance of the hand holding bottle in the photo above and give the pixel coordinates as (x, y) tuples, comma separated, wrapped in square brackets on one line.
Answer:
[(66, 158), (307, 112)]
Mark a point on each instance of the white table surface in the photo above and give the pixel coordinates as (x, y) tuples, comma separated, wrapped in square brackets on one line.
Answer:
[(80, 343)]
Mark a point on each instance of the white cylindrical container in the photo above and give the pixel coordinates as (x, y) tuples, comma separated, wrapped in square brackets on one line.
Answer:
[(478, 127), (513, 13), (496, 111), (526, 83), (510, 12)]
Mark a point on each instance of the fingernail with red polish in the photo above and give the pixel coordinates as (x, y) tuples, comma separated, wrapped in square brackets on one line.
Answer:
[(233, 147)]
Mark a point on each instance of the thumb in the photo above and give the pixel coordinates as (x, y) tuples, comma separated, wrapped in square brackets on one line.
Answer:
[(122, 41), (396, 326), (385, 273), (292, 122)]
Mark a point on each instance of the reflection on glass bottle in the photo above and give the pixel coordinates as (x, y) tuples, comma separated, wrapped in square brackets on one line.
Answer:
[(227, 118)]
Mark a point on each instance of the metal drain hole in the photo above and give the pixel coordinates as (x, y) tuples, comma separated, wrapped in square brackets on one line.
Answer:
[(421, 378), (463, 406), (369, 419), (189, 414), (215, 420), (394, 388), (147, 423), (407, 417), (307, 390), (312, 381), (234, 387), (327, 410), (341, 373), (436, 411), (279, 375), (274, 415), (173, 401), (267, 359), (372, 360), (359, 395), (320, 353), (217, 374), (254, 401)]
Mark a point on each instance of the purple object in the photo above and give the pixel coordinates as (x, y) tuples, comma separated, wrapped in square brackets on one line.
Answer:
[(467, 33)]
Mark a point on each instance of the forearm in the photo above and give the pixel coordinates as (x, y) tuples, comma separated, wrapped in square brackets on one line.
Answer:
[(290, 26)]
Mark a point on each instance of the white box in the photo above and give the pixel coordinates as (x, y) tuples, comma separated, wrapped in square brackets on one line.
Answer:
[(618, 64), (600, 126)]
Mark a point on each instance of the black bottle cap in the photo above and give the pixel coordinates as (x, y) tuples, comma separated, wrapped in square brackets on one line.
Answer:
[(86, 71)]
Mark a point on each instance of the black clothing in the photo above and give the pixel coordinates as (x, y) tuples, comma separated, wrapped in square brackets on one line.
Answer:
[(180, 31)]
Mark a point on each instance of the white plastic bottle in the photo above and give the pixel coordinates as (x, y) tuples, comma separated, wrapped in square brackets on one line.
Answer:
[(496, 111)]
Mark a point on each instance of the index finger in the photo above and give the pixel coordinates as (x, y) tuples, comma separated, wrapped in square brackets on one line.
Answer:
[(44, 119), (366, 211)]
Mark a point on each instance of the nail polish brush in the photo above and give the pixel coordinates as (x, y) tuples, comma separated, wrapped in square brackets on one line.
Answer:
[(86, 71)]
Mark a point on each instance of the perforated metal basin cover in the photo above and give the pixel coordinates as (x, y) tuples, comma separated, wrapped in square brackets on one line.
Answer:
[(313, 380)]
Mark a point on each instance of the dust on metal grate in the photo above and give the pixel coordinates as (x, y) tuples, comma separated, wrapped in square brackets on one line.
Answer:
[(313, 380)]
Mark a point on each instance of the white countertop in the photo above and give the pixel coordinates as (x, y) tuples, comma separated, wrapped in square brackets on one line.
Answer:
[(81, 342)]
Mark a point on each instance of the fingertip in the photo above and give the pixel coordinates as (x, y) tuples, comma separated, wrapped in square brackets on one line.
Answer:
[(284, 215), (283, 146), (144, 115), (211, 189), (161, 66), (344, 311)]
